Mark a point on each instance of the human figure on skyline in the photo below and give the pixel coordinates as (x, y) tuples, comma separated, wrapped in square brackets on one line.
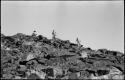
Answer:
[(78, 42), (53, 34), (34, 33)]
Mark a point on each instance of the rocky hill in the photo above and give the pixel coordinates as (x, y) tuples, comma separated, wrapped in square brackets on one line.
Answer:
[(36, 57)]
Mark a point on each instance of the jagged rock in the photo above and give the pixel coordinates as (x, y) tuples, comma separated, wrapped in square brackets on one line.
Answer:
[(84, 54), (29, 57)]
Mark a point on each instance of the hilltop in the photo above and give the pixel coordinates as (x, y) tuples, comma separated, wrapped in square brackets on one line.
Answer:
[(35, 56)]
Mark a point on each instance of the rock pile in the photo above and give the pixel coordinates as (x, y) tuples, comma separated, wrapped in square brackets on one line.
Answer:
[(36, 57)]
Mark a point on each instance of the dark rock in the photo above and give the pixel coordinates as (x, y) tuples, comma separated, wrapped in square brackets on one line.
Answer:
[(49, 72), (102, 72)]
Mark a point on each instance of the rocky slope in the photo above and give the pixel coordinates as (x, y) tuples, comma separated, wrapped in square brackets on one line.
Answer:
[(36, 57)]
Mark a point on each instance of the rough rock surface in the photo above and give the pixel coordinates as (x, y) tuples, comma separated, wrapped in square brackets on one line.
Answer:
[(36, 57)]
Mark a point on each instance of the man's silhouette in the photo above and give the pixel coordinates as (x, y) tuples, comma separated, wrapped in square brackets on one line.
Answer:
[(78, 42), (53, 34)]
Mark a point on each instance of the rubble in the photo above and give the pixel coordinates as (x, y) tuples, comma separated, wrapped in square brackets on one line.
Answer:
[(36, 57)]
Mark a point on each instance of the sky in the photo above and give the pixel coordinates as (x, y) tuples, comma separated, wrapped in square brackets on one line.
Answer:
[(97, 24)]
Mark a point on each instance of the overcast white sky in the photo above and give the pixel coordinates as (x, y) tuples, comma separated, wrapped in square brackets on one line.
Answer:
[(96, 24)]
